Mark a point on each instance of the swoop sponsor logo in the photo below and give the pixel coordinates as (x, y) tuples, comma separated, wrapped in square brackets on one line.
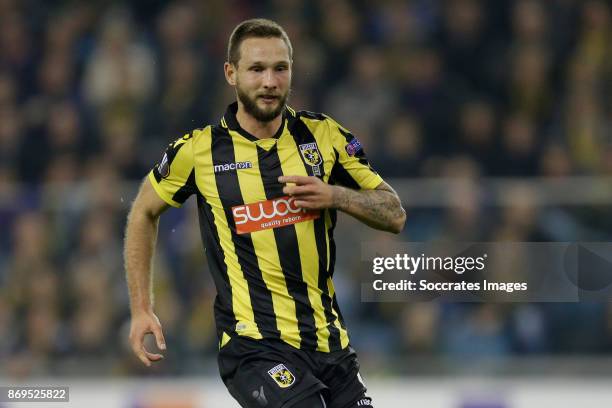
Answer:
[(275, 213)]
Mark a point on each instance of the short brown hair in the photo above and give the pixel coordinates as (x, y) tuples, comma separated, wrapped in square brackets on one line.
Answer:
[(255, 28)]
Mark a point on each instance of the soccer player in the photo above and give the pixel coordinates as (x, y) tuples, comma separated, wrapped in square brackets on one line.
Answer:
[(268, 181)]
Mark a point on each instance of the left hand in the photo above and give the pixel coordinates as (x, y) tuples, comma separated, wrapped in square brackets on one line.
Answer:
[(310, 192)]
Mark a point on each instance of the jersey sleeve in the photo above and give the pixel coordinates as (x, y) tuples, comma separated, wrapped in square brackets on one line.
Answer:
[(173, 178), (352, 168)]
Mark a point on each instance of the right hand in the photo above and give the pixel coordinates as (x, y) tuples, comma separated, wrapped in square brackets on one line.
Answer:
[(142, 324)]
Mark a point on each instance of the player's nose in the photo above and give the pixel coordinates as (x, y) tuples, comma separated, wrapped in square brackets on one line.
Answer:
[(269, 79)]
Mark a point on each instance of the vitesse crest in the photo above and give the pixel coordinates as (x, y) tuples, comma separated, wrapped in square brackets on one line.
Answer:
[(283, 377), (312, 157)]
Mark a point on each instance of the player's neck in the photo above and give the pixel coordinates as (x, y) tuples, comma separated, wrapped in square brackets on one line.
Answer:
[(261, 130)]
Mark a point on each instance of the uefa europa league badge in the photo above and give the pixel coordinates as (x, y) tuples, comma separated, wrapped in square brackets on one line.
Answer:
[(312, 157)]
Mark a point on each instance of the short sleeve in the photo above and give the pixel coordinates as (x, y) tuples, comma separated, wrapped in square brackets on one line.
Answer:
[(352, 168), (173, 178)]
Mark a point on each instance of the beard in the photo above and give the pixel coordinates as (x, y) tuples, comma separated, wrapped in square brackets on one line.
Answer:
[(262, 115)]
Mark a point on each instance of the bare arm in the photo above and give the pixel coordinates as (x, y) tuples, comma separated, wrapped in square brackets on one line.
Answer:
[(380, 208), (140, 238)]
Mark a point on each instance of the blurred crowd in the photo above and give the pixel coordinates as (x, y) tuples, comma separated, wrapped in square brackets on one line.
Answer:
[(92, 92)]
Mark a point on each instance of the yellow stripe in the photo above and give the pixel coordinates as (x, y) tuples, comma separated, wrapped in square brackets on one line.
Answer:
[(225, 338), (344, 340), (291, 164), (180, 168), (320, 131), (241, 300), (161, 192), (264, 242), (362, 174)]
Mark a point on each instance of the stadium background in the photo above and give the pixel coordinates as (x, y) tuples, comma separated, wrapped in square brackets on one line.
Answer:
[(492, 118)]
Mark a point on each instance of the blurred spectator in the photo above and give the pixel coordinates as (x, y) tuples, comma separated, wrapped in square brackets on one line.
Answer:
[(364, 98), (10, 131), (528, 83), (555, 161), (463, 39), (474, 331), (17, 49), (422, 89), (476, 137), (119, 140), (339, 40), (463, 218), (178, 26), (418, 324), (519, 149), (404, 148), (519, 220), (8, 89), (121, 69)]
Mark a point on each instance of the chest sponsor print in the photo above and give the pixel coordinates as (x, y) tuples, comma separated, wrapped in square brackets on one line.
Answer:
[(275, 213)]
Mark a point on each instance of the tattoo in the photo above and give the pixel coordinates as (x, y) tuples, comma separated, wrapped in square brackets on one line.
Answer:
[(380, 208)]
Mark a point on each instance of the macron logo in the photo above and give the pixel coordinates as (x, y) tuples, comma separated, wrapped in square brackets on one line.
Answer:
[(219, 168)]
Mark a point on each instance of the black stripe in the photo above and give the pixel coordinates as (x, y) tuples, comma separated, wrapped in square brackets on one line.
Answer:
[(332, 264), (337, 309), (187, 189), (311, 115), (339, 175), (156, 174), (230, 196), (333, 215), (360, 154), (301, 134), (334, 333), (224, 316), (288, 250)]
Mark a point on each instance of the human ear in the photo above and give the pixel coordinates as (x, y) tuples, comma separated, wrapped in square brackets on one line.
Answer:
[(230, 73)]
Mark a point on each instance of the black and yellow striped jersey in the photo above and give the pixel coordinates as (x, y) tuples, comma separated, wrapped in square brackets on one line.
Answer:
[(272, 263)]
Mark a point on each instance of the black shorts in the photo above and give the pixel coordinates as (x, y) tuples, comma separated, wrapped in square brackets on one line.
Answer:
[(272, 374)]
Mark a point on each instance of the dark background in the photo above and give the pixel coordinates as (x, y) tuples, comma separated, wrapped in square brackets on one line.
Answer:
[(466, 93)]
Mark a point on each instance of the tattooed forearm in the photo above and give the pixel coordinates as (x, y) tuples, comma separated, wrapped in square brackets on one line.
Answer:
[(380, 208)]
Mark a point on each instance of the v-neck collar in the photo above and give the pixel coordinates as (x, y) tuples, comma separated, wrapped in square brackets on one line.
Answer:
[(232, 123)]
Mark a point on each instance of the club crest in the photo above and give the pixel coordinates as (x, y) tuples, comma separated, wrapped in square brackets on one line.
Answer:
[(312, 157), (282, 376)]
